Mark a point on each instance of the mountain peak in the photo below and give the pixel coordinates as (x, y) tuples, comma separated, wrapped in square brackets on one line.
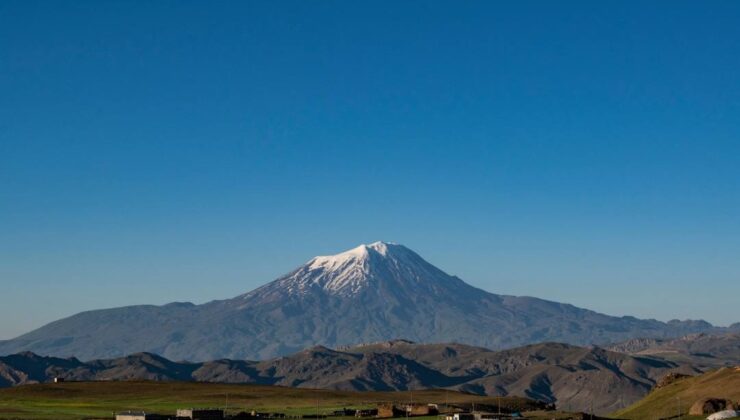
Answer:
[(347, 272), (380, 266), (354, 255)]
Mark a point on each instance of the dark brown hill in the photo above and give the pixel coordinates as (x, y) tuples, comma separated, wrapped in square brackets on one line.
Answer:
[(574, 378)]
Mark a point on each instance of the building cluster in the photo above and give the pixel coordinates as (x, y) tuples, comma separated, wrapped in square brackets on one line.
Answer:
[(382, 411), (182, 414), (405, 410), (480, 415)]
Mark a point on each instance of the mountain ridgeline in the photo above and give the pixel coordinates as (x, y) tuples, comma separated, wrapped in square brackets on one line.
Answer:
[(572, 377), (371, 293)]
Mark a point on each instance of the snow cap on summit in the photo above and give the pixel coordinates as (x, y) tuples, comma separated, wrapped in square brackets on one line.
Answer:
[(366, 266), (359, 252)]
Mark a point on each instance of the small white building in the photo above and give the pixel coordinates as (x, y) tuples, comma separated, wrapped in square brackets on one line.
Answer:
[(200, 413), (131, 415), (140, 415)]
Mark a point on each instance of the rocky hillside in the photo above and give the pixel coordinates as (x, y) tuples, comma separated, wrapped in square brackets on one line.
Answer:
[(572, 377), (705, 351), (679, 396)]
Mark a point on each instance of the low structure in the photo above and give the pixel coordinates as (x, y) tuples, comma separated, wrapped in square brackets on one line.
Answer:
[(140, 415), (253, 415), (200, 414), (478, 415), (460, 416), (407, 410), (258, 415), (420, 409), (387, 410), (131, 415)]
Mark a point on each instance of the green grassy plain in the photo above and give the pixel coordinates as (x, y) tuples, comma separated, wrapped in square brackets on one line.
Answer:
[(80, 400)]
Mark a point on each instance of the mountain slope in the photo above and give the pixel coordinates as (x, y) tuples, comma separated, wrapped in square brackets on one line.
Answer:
[(374, 292), (573, 377)]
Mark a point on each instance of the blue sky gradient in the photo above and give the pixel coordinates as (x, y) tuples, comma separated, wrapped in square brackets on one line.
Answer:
[(585, 152)]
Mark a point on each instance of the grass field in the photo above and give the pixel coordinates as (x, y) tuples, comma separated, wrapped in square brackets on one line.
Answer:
[(678, 396), (79, 400)]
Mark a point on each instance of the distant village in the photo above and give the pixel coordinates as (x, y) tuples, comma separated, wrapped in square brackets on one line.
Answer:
[(381, 411)]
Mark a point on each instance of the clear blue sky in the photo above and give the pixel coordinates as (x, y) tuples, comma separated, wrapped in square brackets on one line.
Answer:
[(586, 152)]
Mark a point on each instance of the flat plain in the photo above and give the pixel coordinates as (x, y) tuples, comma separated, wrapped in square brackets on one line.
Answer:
[(80, 400)]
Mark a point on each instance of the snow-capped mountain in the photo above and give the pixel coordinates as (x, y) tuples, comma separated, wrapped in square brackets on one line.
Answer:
[(375, 292), (380, 266)]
